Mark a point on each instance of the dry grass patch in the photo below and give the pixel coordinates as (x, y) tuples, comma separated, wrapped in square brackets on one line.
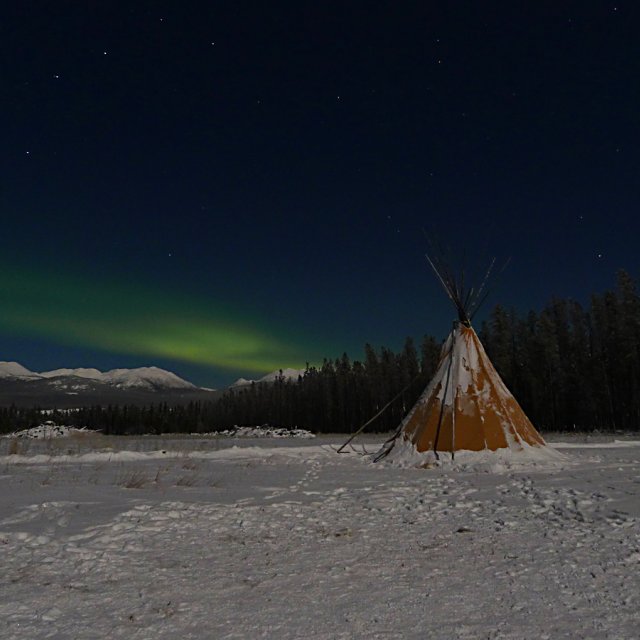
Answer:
[(187, 480), (14, 447), (79, 442), (133, 480)]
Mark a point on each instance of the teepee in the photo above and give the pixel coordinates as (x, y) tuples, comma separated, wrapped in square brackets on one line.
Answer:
[(466, 406)]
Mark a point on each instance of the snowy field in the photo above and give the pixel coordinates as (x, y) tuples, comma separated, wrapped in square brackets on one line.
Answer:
[(208, 538)]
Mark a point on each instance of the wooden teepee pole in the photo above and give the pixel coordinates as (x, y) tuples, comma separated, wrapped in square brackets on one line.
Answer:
[(368, 422), (444, 395)]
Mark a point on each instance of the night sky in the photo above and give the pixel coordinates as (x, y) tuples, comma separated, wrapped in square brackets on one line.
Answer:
[(227, 188)]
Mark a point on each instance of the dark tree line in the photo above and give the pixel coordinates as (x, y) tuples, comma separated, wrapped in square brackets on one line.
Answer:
[(340, 395), (568, 366), (336, 397)]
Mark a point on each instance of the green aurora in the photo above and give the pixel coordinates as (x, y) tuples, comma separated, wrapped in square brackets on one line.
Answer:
[(133, 319)]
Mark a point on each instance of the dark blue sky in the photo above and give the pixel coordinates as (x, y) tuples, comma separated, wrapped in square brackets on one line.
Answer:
[(225, 188)]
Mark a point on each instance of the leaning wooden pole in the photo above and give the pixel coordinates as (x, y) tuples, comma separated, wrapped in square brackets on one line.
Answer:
[(368, 422)]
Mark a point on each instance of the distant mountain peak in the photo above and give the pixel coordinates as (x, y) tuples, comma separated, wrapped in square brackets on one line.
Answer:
[(287, 374), (15, 370), (92, 374), (146, 377), (241, 382)]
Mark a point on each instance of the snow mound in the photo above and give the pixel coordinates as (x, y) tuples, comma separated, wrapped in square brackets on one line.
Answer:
[(405, 455), (47, 431), (615, 444), (265, 432)]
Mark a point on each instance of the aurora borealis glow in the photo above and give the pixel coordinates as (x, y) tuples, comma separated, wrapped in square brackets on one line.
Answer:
[(130, 319), (225, 189)]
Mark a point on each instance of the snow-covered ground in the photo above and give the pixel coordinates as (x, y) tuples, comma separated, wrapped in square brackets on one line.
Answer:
[(219, 538)]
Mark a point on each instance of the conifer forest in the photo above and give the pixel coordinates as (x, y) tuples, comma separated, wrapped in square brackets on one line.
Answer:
[(570, 367)]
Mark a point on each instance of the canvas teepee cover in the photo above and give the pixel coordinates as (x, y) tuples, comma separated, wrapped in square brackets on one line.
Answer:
[(466, 405)]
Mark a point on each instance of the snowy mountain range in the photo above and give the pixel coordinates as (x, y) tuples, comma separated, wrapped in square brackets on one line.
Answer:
[(150, 378), (88, 386), (63, 388)]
